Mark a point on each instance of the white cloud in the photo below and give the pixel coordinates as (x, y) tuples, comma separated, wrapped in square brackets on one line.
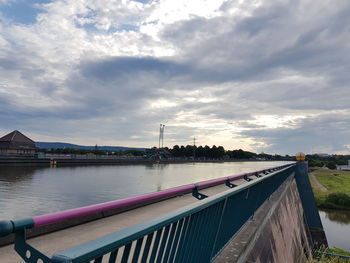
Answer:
[(239, 73)]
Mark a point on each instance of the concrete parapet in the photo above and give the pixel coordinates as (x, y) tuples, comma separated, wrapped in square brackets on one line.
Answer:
[(277, 233)]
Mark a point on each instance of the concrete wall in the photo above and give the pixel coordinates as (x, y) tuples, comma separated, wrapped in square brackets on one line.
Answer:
[(286, 231), (277, 233)]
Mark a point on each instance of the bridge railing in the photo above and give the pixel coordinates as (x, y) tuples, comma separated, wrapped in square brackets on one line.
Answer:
[(122, 204), (195, 233)]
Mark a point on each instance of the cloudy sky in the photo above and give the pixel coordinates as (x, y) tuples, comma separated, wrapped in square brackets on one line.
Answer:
[(268, 76)]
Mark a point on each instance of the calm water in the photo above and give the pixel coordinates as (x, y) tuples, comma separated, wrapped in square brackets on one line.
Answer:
[(336, 224), (26, 191)]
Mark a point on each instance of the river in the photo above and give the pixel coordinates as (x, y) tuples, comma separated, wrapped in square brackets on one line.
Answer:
[(27, 190), (336, 224)]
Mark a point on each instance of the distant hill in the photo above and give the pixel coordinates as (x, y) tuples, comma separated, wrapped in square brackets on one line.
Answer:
[(62, 145)]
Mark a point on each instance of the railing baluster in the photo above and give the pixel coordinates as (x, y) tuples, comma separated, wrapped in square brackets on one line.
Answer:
[(126, 253), (183, 250), (137, 250), (195, 243), (183, 238), (146, 248), (98, 260), (113, 256), (163, 243), (212, 216), (170, 241), (176, 240), (197, 253), (156, 245)]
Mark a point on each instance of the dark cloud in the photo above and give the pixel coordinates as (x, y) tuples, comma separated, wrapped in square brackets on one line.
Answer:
[(117, 67), (286, 58)]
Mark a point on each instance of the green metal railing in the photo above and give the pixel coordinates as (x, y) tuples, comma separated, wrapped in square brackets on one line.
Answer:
[(194, 233)]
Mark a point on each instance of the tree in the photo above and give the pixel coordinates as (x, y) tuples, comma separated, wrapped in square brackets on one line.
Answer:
[(331, 165)]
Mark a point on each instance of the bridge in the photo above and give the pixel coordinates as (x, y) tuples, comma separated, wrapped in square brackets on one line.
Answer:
[(262, 216)]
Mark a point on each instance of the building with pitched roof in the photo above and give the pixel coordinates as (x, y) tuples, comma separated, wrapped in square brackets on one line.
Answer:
[(16, 143)]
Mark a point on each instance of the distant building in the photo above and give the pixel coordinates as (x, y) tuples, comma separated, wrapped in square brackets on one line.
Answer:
[(16, 143), (344, 167), (156, 153)]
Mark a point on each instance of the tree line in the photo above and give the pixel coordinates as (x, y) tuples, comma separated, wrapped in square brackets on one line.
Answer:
[(330, 161), (219, 152), (188, 151)]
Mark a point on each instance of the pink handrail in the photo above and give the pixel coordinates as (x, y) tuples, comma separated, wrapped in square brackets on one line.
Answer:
[(93, 209)]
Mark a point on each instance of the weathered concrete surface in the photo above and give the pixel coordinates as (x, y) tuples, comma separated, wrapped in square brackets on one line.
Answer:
[(277, 233)]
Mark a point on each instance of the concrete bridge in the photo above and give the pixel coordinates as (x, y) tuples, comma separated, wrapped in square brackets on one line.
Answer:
[(262, 216)]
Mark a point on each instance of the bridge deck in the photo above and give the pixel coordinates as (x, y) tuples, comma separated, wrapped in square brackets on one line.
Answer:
[(52, 243)]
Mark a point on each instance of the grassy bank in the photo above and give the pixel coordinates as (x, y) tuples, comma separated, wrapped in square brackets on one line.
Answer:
[(321, 258), (331, 188)]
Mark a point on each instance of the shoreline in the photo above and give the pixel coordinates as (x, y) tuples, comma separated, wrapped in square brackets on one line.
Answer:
[(328, 188), (116, 161)]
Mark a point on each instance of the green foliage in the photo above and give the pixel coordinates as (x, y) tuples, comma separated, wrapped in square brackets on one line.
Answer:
[(320, 257), (336, 201), (219, 152), (334, 181), (215, 152), (338, 250), (331, 165), (190, 150), (240, 154), (337, 184), (315, 163), (336, 159)]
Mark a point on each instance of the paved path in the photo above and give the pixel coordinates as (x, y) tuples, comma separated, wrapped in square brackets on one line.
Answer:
[(317, 182)]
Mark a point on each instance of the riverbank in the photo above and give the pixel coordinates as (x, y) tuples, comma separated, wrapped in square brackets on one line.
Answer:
[(331, 188), (114, 160), (330, 255)]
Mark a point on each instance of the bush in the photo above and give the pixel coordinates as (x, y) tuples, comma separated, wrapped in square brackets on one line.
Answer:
[(336, 201), (331, 165), (315, 163)]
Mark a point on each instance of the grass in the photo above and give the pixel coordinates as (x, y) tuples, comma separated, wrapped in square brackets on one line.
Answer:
[(334, 181), (319, 258), (325, 259), (337, 184)]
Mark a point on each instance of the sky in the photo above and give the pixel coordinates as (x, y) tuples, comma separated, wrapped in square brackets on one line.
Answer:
[(265, 76)]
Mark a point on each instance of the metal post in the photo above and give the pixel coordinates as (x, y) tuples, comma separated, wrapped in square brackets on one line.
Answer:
[(160, 135), (163, 135)]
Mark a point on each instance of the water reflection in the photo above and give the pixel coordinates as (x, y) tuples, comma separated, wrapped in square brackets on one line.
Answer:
[(16, 173), (339, 216), (336, 224)]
